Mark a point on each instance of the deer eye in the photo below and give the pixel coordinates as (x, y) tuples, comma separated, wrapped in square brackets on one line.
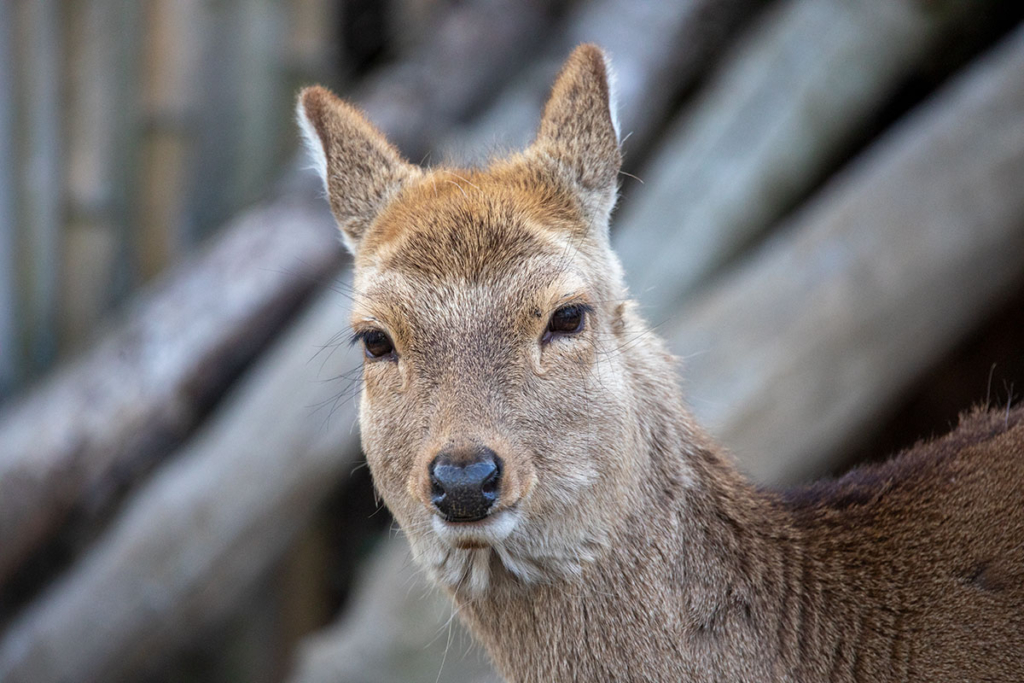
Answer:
[(377, 344), (565, 321)]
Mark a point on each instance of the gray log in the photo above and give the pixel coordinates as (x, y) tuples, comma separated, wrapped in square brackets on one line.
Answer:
[(207, 526), (772, 120), (657, 50), (474, 51), (142, 389), (812, 338)]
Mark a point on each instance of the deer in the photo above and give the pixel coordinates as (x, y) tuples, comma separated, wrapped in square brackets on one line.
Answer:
[(525, 427)]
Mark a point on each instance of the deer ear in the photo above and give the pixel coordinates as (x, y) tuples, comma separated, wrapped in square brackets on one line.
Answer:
[(579, 130), (360, 169)]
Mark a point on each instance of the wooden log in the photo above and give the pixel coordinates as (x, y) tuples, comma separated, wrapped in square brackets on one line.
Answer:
[(812, 338), (475, 49), (658, 51), (772, 121), (80, 437), (194, 539)]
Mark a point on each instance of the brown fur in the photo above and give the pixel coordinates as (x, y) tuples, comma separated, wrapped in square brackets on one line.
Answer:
[(624, 544)]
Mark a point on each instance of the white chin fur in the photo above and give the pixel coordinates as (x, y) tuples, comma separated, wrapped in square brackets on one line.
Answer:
[(527, 555), (489, 531)]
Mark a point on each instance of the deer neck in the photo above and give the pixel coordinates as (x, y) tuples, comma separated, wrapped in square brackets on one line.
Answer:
[(686, 568)]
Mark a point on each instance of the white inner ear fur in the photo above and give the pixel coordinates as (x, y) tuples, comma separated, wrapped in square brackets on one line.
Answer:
[(613, 95), (312, 141)]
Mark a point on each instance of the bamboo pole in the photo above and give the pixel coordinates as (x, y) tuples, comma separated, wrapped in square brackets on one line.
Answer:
[(172, 58), (89, 231), (10, 349), (41, 186)]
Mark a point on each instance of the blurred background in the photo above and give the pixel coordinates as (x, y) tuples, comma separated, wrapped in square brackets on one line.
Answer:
[(822, 210)]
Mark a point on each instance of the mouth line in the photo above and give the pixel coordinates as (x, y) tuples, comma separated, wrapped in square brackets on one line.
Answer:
[(485, 532), (478, 521), (460, 522)]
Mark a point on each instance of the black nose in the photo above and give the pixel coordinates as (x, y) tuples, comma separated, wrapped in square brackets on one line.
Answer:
[(463, 488)]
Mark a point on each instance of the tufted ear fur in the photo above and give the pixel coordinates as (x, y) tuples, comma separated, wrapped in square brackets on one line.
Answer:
[(361, 170), (579, 130)]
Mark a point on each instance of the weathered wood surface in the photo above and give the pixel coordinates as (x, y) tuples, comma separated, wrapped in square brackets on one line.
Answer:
[(476, 48), (776, 116), (658, 51), (142, 389), (813, 337), (201, 532)]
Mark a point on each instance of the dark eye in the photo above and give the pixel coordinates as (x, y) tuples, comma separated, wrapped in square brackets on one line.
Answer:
[(377, 344), (566, 320)]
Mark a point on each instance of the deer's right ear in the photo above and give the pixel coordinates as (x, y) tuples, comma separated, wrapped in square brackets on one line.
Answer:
[(360, 169)]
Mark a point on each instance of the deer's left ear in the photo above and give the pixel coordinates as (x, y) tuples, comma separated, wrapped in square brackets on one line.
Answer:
[(579, 130)]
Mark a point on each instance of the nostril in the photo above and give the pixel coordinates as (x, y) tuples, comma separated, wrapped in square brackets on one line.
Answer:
[(490, 483), (437, 491)]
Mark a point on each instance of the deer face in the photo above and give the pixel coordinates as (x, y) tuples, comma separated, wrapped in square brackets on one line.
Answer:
[(496, 412)]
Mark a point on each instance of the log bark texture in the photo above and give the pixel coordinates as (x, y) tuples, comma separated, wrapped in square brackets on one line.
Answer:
[(774, 118), (815, 335), (207, 526), (658, 50), (144, 387), (474, 52)]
